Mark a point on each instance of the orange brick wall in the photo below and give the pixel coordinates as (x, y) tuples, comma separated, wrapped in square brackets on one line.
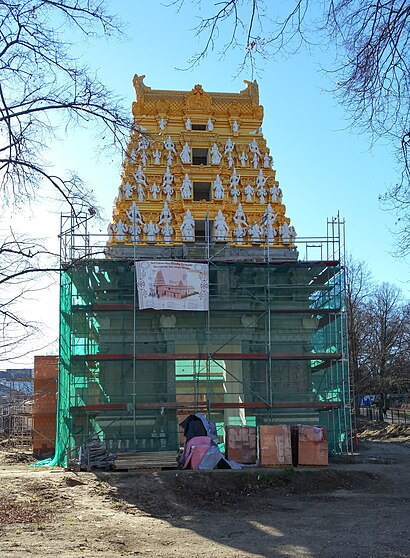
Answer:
[(45, 404)]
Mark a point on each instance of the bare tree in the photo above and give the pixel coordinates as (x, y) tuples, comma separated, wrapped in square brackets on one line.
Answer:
[(371, 74), (44, 88), (25, 268), (359, 288)]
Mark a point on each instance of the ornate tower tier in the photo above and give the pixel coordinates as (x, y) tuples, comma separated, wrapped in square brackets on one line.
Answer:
[(197, 170)]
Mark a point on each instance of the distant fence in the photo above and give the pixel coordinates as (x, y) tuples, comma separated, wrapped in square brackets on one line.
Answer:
[(392, 416), (398, 416)]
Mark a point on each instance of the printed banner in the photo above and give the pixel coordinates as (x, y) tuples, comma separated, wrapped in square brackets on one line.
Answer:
[(164, 285)]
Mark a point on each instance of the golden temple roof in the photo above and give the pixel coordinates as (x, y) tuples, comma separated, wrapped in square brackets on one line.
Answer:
[(197, 163)]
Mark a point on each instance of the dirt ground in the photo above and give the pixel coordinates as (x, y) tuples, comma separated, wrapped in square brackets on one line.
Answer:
[(357, 507)]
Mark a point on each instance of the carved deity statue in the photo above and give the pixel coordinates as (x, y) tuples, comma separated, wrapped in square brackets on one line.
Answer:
[(140, 176), (167, 181), (186, 188), (142, 144), (260, 179), (253, 147), (267, 161), (169, 158), (134, 214), (188, 227), (155, 190), (269, 220), (144, 158), (188, 124), (221, 228), (230, 160), (135, 231), (240, 218), (285, 232), (239, 233), (151, 230), (209, 125), (274, 190), (235, 127), (169, 145), (120, 229), (218, 188), (216, 156), (249, 191), (167, 231), (256, 231), (229, 146), (140, 192), (186, 154), (243, 158), (128, 188), (165, 215), (255, 160), (162, 123), (157, 157)]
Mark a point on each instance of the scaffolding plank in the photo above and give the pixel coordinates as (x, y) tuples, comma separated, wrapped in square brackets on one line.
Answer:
[(205, 356)]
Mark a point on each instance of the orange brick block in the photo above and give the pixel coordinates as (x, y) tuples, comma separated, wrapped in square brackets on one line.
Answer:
[(275, 446)]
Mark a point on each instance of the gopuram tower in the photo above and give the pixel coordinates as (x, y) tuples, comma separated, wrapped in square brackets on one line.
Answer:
[(198, 170), (199, 302)]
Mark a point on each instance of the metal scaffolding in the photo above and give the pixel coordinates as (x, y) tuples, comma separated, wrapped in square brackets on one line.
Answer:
[(271, 348)]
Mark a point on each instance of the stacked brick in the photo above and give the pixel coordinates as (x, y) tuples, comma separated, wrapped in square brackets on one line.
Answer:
[(45, 405)]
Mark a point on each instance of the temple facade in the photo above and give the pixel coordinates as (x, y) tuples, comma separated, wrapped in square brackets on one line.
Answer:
[(199, 300)]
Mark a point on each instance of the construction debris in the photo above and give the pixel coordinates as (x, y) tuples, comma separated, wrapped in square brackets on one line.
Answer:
[(95, 455)]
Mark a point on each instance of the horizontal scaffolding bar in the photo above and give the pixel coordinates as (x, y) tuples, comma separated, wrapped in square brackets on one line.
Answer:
[(205, 356), (184, 405)]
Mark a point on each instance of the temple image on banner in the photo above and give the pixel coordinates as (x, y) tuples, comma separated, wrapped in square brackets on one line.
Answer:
[(201, 298)]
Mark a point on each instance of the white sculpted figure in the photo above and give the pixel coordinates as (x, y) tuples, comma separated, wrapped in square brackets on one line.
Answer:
[(221, 228), (143, 144), (239, 233), (165, 215), (134, 214), (157, 157), (167, 231), (144, 158), (243, 158), (186, 154), (285, 232), (110, 232), (261, 193), (140, 176), (188, 124), (151, 231), (216, 156), (249, 191), (169, 145), (233, 183), (253, 147), (230, 160), (133, 156), (235, 127), (162, 123), (186, 188), (267, 161), (141, 193), (229, 146), (209, 125), (120, 229), (135, 231), (155, 190), (240, 218), (188, 227), (169, 158), (255, 231), (255, 160), (292, 233), (274, 190), (218, 188), (167, 184), (270, 219), (260, 179), (128, 188)]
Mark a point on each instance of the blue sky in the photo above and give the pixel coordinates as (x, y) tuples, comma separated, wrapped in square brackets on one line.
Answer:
[(322, 166)]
